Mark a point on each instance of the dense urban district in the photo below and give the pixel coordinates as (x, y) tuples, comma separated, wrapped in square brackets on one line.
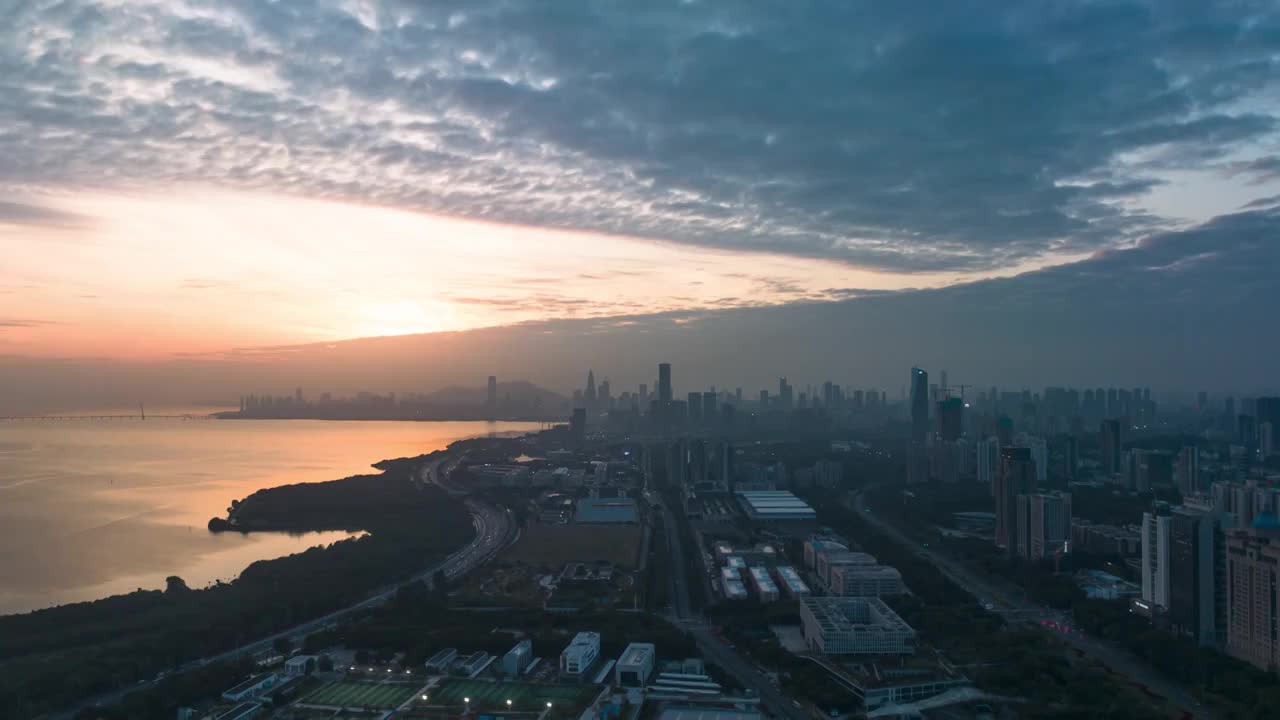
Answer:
[(953, 554)]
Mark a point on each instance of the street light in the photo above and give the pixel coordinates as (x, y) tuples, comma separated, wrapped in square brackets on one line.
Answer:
[(424, 697), (548, 704)]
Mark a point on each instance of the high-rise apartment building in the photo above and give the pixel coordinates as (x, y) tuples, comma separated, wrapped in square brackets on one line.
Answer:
[(1112, 445), (1017, 476), (1043, 524), (1188, 473), (988, 452), (1253, 573)]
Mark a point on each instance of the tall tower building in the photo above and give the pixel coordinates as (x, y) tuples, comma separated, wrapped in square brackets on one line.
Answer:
[(1112, 446), (1188, 472), (591, 388), (491, 398), (664, 382), (1017, 476), (919, 405), (950, 419), (988, 461)]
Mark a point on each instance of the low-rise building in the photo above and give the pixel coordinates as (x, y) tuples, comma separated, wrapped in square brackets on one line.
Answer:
[(858, 580), (734, 590), (517, 658), (635, 666), (300, 665), (831, 558), (815, 545), (442, 660), (473, 664), (775, 506), (789, 580), (763, 585), (580, 655), (251, 688), (854, 626)]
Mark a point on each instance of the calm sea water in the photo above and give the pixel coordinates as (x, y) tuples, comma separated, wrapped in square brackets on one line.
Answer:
[(92, 509)]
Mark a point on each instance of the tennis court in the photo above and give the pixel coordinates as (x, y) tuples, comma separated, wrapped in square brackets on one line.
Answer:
[(353, 694), (523, 696)]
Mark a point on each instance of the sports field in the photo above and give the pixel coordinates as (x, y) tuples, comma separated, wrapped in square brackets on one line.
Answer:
[(354, 694), (523, 696)]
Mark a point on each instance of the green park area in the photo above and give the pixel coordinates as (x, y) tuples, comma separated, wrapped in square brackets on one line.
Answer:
[(355, 694), (527, 697)]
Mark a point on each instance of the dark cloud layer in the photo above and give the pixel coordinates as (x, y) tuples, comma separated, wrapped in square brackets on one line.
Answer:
[(952, 136)]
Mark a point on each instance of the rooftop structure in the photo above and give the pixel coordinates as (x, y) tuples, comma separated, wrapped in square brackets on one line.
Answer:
[(250, 688), (814, 546), (735, 562), (636, 665), (734, 590), (517, 658), (474, 663), (243, 711), (441, 661), (774, 506), (854, 626), (707, 713), (764, 586), (790, 581), (684, 684)]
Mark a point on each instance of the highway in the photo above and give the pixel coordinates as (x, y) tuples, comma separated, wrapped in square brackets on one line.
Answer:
[(1016, 607), (495, 529)]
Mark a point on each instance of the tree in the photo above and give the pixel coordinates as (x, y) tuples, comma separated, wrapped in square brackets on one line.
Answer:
[(282, 645)]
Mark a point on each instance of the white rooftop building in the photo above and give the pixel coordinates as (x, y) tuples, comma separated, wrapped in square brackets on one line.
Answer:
[(790, 581), (580, 654), (774, 506), (865, 581), (764, 586), (635, 666), (855, 626)]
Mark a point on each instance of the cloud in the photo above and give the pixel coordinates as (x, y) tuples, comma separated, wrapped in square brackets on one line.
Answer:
[(973, 136), (15, 213), (18, 323)]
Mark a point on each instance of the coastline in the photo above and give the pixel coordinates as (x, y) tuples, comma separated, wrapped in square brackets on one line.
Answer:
[(168, 535)]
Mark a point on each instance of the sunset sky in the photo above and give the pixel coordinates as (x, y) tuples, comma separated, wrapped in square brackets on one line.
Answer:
[(183, 177)]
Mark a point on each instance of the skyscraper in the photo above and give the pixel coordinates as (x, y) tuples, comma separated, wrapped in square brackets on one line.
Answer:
[(950, 419), (1112, 446), (664, 382), (1044, 524), (1189, 470), (988, 461), (1197, 557), (919, 405), (591, 389), (491, 399), (1017, 476)]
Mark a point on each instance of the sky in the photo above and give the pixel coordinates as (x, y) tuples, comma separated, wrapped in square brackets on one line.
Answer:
[(198, 184)]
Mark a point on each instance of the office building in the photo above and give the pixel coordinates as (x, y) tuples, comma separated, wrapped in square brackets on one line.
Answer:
[(1039, 454), (854, 626), (664, 383), (1253, 574), (815, 545), (517, 658), (1044, 524), (919, 405), (829, 559), (581, 653), (635, 666), (1016, 476), (861, 580)]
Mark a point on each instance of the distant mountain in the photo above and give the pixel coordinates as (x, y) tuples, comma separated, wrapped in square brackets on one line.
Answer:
[(517, 393)]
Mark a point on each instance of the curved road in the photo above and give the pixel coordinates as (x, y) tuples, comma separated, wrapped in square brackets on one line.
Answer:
[(1017, 608), (494, 531)]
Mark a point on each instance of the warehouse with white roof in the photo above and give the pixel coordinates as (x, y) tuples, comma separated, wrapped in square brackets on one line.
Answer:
[(774, 506)]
